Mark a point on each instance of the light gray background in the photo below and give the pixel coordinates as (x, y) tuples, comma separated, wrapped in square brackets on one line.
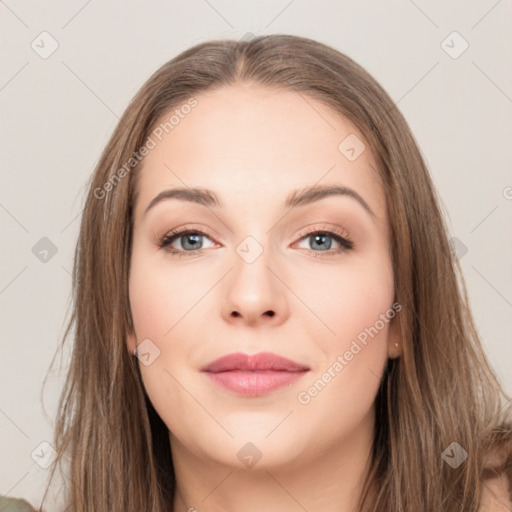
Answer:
[(58, 112)]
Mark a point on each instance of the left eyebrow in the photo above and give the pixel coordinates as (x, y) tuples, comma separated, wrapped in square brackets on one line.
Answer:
[(306, 196), (299, 197)]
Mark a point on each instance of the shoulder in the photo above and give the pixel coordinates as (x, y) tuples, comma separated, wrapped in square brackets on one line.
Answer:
[(14, 505), (496, 495)]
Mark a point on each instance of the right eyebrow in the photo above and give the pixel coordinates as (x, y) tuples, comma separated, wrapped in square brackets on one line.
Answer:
[(200, 196)]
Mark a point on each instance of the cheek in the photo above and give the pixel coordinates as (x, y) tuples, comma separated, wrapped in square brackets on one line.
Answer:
[(159, 312), (354, 303), (346, 299), (162, 294), (167, 306)]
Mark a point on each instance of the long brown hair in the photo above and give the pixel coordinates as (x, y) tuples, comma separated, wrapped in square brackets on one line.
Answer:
[(440, 390)]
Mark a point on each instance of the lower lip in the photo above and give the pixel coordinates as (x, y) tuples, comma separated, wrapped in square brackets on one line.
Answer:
[(254, 383)]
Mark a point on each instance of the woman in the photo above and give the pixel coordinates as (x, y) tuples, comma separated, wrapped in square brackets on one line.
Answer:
[(267, 311)]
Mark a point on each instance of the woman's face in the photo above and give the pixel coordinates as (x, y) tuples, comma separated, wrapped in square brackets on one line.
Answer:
[(262, 271)]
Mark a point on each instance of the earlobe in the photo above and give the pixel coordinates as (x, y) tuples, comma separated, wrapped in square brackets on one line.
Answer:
[(394, 349), (131, 342), (395, 344)]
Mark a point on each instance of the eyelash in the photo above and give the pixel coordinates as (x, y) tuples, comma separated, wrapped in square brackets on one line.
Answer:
[(341, 238)]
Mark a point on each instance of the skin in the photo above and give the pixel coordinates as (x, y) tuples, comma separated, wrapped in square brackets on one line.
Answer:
[(253, 146)]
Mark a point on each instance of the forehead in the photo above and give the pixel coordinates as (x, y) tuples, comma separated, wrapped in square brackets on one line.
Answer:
[(253, 145)]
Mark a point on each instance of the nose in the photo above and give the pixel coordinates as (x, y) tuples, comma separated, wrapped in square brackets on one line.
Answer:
[(254, 294)]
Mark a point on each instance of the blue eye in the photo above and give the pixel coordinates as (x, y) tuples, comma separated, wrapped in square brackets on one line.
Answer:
[(323, 240), (192, 242)]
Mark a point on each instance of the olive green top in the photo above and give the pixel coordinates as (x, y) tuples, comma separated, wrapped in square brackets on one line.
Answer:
[(14, 505)]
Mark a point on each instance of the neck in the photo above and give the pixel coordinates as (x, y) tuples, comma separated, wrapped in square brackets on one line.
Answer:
[(328, 482)]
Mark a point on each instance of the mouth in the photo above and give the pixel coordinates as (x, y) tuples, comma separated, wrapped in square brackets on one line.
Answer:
[(255, 375)]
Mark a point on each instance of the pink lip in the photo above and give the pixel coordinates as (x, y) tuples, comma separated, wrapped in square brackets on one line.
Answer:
[(254, 375)]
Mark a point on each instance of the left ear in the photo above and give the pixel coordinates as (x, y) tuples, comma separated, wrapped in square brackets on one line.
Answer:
[(395, 345)]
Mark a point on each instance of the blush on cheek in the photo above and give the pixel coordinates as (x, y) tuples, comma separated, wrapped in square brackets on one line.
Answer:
[(158, 303), (352, 315)]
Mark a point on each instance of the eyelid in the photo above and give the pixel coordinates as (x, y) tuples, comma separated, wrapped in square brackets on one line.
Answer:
[(182, 230), (323, 227), (340, 235), (308, 230)]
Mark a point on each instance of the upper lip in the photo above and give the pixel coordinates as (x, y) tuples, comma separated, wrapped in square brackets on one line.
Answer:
[(257, 362)]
